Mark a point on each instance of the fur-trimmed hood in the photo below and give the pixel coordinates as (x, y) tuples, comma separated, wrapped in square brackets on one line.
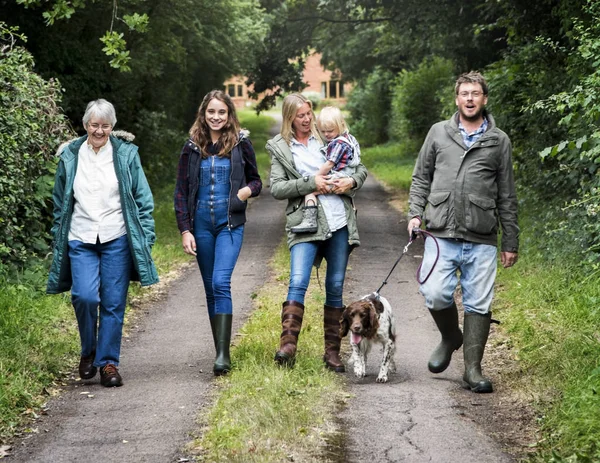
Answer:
[(121, 134)]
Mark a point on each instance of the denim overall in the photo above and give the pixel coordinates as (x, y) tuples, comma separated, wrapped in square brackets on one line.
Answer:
[(217, 245)]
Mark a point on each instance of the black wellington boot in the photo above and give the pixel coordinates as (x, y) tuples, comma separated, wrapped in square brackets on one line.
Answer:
[(477, 329), (447, 322), (223, 338)]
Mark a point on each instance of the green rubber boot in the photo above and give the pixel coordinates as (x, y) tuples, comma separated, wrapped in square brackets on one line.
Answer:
[(477, 329), (223, 339), (452, 338), (212, 327)]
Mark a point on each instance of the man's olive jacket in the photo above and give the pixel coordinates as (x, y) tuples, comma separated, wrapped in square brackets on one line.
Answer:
[(466, 193)]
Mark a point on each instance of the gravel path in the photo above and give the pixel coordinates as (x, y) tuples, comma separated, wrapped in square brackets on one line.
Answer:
[(413, 417)]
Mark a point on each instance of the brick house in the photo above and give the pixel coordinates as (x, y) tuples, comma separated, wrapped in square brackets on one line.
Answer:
[(318, 79)]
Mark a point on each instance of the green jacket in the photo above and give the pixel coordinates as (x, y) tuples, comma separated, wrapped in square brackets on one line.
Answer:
[(287, 183), (466, 193), (136, 201)]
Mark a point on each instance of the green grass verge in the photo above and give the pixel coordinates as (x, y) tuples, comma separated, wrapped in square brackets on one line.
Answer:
[(551, 313), (264, 413)]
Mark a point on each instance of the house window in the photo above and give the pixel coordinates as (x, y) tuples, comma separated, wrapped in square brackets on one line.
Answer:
[(240, 90), (231, 90), (323, 89)]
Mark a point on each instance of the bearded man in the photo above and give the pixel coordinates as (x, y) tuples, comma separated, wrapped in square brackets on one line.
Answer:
[(463, 191)]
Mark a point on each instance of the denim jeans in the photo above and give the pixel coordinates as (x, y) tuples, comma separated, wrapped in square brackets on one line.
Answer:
[(335, 251), (217, 251), (101, 274), (477, 265)]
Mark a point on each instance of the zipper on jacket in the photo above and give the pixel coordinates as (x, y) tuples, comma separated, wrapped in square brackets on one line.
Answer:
[(230, 188)]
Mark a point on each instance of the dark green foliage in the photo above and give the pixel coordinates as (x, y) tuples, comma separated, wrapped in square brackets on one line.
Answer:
[(190, 48), (421, 98), (31, 129), (369, 107)]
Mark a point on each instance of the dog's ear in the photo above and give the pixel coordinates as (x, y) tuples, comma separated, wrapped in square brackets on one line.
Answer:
[(373, 321), (375, 299), (378, 305), (344, 323)]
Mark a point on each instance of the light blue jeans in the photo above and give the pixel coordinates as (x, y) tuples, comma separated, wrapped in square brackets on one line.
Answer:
[(101, 274), (335, 251), (477, 265)]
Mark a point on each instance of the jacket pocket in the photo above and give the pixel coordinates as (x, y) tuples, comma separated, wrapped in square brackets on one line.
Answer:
[(293, 213), (237, 205), (481, 215), (436, 215)]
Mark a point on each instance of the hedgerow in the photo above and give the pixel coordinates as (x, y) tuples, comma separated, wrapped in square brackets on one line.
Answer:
[(31, 128)]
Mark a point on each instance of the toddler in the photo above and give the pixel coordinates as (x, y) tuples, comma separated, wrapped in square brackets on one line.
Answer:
[(342, 154)]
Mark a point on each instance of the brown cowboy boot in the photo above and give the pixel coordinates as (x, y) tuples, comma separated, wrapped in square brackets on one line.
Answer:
[(331, 325), (291, 323)]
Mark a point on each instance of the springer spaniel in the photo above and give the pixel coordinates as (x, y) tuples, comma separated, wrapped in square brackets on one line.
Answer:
[(370, 320)]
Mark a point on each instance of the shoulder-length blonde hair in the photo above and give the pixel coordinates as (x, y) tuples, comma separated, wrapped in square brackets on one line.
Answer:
[(200, 131), (289, 108)]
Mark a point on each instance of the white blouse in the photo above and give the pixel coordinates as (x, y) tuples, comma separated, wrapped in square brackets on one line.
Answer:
[(97, 213)]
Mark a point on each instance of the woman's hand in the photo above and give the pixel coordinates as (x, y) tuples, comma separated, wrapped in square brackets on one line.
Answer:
[(244, 193), (324, 185), (341, 185), (189, 243)]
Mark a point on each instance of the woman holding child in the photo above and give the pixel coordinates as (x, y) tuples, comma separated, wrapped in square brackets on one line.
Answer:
[(296, 159)]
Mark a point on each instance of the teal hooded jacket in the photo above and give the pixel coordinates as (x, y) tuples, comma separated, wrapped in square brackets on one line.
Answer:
[(136, 201)]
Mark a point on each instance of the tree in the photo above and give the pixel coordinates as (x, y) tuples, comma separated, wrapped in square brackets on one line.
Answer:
[(190, 47)]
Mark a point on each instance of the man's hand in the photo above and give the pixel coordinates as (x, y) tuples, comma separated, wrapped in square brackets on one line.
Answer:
[(508, 259), (415, 222)]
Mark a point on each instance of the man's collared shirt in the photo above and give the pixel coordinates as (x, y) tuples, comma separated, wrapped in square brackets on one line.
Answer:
[(471, 138), (97, 213), (308, 160)]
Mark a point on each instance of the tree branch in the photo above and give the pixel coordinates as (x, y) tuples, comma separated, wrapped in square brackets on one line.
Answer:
[(343, 21)]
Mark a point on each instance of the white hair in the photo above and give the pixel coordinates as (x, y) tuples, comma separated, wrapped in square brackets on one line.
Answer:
[(101, 109)]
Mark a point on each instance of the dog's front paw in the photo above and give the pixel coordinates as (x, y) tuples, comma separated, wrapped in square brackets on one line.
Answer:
[(359, 372), (382, 378)]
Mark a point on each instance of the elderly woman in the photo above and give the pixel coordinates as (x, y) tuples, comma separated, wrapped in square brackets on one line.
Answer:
[(296, 157), (103, 232)]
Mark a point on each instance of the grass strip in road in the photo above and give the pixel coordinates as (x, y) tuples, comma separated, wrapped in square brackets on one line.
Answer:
[(264, 413)]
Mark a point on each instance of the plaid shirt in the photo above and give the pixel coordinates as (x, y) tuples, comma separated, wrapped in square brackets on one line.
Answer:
[(339, 152), (183, 179), (469, 139)]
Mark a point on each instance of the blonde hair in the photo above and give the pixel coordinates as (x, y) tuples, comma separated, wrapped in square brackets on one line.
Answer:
[(200, 132), (289, 109), (331, 117)]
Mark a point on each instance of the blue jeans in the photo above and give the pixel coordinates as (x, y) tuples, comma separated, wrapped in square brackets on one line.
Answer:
[(477, 266), (335, 251), (217, 249), (101, 274)]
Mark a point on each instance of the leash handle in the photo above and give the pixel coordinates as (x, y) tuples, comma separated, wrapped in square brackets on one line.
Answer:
[(426, 235)]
